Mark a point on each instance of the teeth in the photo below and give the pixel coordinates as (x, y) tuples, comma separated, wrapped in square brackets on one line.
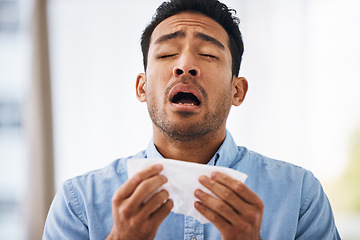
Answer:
[(192, 104)]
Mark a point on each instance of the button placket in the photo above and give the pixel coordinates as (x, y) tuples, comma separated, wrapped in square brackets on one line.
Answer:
[(193, 230)]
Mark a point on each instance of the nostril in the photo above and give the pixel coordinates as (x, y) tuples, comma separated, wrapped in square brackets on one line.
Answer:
[(192, 72), (179, 71)]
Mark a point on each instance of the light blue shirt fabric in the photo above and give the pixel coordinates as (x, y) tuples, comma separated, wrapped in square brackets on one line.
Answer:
[(296, 206)]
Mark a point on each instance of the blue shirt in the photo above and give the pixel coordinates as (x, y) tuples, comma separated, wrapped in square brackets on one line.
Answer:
[(296, 206)]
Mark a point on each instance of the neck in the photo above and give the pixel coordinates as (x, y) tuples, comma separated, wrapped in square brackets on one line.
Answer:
[(199, 150)]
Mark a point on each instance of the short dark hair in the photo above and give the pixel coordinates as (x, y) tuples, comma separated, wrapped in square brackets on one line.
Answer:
[(211, 8)]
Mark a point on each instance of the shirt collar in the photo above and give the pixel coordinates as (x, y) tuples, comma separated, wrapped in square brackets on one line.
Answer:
[(224, 156)]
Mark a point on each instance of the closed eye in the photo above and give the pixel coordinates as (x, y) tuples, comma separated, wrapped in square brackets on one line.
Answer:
[(208, 56), (167, 56)]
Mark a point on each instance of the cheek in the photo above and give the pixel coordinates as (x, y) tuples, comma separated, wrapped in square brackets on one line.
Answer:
[(152, 90), (217, 75), (159, 73), (155, 87), (220, 86)]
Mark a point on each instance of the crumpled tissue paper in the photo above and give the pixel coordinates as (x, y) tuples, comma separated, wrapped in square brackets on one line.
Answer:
[(182, 181)]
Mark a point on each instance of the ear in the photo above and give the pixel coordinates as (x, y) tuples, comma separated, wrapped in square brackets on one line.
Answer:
[(240, 87), (141, 87)]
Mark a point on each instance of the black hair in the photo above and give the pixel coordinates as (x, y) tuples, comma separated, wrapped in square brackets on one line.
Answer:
[(211, 8)]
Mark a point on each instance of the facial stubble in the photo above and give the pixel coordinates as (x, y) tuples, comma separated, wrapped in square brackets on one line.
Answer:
[(188, 129)]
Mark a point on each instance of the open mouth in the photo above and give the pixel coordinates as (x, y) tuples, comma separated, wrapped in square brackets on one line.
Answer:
[(185, 98)]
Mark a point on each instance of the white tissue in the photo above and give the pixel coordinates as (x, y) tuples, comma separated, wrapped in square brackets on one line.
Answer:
[(182, 181)]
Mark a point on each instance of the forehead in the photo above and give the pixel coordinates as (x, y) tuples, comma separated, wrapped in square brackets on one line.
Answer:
[(190, 23)]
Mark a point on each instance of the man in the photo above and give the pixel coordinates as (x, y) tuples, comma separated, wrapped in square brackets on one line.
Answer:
[(192, 52)]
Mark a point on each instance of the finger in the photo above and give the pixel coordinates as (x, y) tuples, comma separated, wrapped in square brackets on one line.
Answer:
[(226, 195), (218, 206), (238, 187), (146, 188), (154, 203), (129, 186), (220, 223), (159, 215)]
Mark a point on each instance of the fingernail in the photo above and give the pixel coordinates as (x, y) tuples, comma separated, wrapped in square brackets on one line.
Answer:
[(198, 193), (159, 166), (164, 178), (202, 179), (214, 175)]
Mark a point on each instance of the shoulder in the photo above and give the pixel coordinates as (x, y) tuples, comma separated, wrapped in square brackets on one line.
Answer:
[(303, 200), (265, 173), (92, 189), (83, 202), (257, 163), (109, 177)]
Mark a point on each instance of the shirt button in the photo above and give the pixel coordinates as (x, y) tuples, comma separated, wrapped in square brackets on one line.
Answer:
[(193, 238)]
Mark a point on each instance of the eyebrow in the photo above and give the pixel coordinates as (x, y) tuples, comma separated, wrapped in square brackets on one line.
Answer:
[(181, 34), (170, 36), (209, 39)]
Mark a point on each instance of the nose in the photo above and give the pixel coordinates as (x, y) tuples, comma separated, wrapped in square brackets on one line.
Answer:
[(186, 67)]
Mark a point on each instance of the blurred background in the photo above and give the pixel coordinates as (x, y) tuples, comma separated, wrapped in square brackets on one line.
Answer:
[(68, 105)]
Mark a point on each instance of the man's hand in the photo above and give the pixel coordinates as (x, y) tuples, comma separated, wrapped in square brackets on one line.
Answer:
[(134, 219), (237, 213)]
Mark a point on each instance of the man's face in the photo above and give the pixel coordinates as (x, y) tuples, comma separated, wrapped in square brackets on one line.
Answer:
[(188, 84)]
